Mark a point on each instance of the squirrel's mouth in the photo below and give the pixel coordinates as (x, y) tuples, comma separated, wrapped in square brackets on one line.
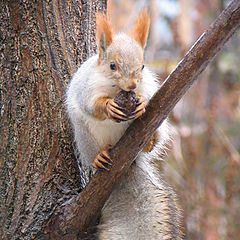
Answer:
[(126, 89)]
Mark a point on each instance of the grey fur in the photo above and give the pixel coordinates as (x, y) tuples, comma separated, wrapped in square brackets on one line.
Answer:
[(140, 209)]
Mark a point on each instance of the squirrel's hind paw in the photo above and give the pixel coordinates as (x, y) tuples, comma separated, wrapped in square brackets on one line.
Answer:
[(102, 160)]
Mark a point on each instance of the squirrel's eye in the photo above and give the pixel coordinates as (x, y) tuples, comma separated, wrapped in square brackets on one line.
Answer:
[(113, 66), (142, 66)]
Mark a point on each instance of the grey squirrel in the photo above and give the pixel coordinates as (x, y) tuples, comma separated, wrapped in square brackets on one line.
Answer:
[(142, 206)]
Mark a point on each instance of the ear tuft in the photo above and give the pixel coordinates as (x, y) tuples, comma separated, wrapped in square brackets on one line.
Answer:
[(104, 32), (141, 28)]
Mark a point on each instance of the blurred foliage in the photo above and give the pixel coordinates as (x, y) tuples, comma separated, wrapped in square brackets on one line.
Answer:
[(203, 164)]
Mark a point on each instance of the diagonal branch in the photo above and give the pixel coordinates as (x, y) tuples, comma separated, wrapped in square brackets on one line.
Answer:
[(84, 210)]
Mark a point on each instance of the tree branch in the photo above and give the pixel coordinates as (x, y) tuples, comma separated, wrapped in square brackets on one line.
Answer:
[(83, 211)]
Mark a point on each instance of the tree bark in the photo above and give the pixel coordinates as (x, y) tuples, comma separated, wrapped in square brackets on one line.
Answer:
[(41, 45), (81, 212)]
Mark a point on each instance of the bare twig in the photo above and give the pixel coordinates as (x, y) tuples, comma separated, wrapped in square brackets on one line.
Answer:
[(82, 211)]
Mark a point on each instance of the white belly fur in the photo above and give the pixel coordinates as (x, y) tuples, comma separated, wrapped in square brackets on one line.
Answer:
[(106, 132)]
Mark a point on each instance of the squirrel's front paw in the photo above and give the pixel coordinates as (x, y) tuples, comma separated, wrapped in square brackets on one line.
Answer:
[(140, 110), (102, 160), (114, 112)]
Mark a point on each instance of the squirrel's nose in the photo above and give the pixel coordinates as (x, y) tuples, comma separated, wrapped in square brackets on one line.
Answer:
[(132, 86)]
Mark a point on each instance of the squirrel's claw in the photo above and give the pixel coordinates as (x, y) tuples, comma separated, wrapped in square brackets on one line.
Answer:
[(140, 108), (115, 105), (114, 112), (101, 160)]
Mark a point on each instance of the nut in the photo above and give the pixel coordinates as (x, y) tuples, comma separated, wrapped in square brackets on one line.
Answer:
[(127, 101)]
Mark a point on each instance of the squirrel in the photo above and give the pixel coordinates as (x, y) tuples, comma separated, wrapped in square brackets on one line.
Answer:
[(142, 206)]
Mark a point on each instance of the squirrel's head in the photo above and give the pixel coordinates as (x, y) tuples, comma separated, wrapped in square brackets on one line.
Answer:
[(121, 56)]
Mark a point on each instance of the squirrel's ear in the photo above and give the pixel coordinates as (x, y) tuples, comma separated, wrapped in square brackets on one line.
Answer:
[(141, 28), (104, 32)]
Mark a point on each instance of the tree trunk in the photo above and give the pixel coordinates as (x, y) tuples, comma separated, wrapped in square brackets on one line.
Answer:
[(41, 45)]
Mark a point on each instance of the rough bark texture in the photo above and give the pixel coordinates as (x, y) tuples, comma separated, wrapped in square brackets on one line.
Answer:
[(82, 211), (41, 45)]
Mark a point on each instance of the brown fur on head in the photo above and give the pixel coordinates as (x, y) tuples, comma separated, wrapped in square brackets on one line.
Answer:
[(104, 32), (141, 28), (121, 57)]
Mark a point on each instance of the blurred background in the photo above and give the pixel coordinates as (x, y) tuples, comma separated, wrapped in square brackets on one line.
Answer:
[(203, 161)]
